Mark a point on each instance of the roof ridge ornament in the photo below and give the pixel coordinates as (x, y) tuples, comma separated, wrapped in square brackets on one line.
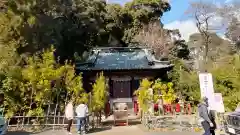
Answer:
[(150, 56)]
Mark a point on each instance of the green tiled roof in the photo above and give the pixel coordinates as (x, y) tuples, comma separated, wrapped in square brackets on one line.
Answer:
[(120, 58)]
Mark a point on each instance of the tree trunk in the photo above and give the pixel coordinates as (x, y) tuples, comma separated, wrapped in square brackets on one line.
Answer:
[(100, 117), (206, 49), (140, 113), (93, 119)]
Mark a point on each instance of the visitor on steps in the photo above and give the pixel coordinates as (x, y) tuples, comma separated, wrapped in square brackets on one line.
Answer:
[(69, 114), (81, 111)]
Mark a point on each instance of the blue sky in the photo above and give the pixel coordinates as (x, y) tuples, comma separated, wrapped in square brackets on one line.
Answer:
[(176, 17), (178, 7), (177, 11)]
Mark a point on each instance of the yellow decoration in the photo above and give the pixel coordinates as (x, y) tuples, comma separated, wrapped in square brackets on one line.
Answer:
[(161, 90), (143, 94), (164, 91)]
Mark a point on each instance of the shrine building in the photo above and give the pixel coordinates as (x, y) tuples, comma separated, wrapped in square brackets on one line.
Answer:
[(124, 68)]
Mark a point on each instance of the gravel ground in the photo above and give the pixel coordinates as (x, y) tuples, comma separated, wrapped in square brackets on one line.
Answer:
[(109, 131)]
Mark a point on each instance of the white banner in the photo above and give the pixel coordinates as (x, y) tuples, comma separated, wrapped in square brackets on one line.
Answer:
[(219, 106), (206, 87)]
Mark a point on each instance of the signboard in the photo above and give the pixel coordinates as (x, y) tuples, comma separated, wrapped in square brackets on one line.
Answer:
[(219, 106), (206, 87)]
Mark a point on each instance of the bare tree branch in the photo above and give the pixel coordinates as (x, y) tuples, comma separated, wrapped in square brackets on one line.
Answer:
[(156, 38), (232, 20), (203, 12)]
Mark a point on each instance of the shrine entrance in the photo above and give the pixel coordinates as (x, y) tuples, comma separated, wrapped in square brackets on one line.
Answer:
[(121, 89)]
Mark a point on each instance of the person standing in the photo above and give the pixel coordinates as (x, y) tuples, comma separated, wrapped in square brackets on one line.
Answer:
[(160, 106), (69, 114), (81, 111), (204, 116), (212, 118)]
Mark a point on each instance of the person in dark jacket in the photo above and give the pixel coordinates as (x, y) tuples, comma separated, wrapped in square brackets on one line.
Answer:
[(204, 114), (212, 118)]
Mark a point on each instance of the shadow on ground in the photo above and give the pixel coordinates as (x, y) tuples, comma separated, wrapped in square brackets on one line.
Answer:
[(100, 129), (18, 133), (30, 130)]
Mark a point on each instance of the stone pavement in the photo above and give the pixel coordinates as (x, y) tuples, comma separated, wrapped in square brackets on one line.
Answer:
[(130, 130)]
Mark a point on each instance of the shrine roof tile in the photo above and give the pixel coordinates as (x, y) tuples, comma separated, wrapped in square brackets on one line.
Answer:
[(121, 58)]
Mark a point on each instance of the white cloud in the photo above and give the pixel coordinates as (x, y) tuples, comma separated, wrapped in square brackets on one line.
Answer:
[(228, 1), (186, 27), (221, 35), (216, 23)]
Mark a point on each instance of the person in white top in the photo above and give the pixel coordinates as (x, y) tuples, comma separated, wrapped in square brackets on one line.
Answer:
[(69, 114), (82, 112)]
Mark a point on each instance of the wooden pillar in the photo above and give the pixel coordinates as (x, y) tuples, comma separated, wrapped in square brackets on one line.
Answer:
[(110, 93), (131, 88), (110, 87), (1, 98)]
